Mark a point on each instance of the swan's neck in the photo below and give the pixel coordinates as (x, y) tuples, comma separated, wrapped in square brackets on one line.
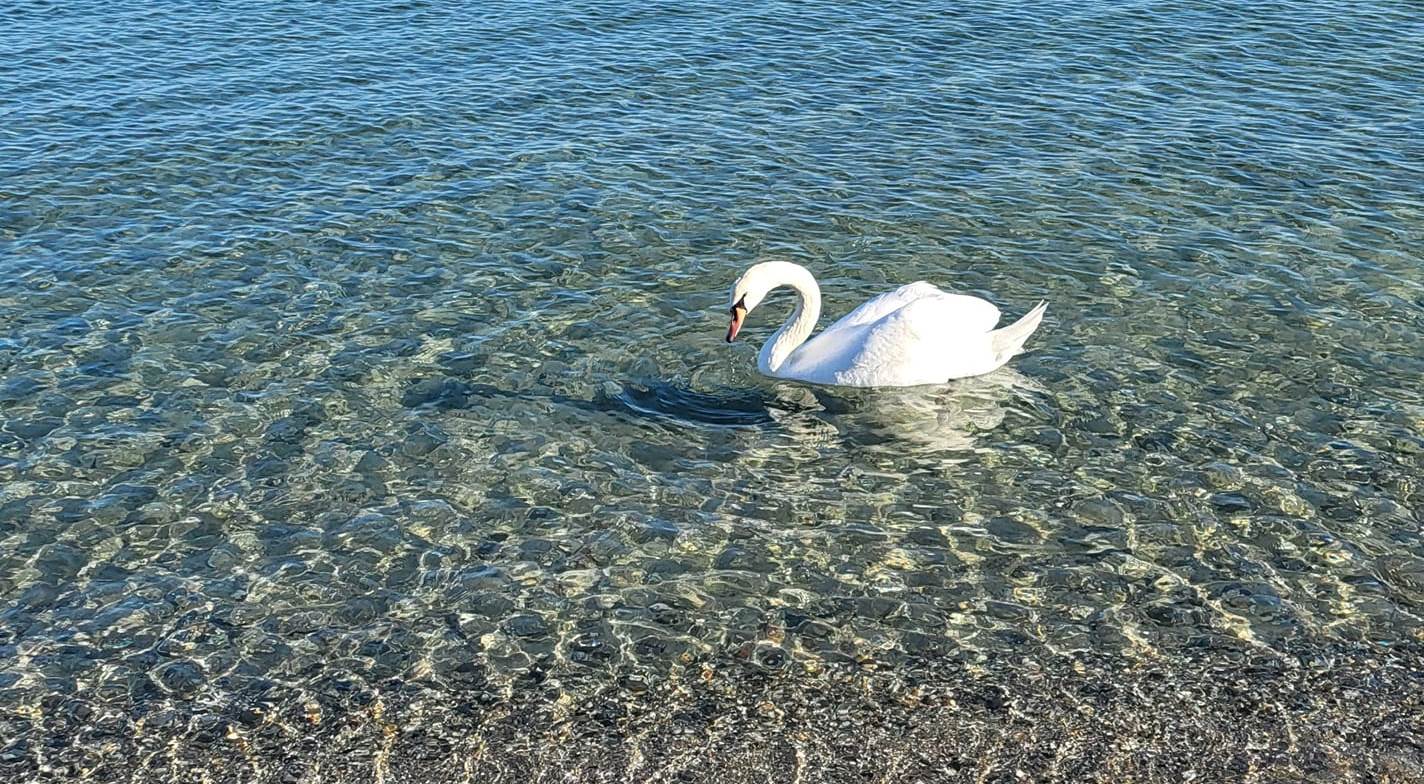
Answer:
[(798, 325)]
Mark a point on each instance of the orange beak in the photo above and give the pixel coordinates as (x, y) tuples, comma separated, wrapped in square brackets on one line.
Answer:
[(738, 313)]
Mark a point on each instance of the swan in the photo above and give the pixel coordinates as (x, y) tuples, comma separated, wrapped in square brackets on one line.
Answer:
[(913, 335)]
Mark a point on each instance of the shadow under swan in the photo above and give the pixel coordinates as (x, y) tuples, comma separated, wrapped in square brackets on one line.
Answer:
[(945, 417)]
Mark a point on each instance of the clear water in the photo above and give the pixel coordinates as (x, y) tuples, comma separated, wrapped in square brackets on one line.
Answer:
[(371, 354)]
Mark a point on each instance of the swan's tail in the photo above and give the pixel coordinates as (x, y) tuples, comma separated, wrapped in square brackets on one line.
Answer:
[(1007, 342)]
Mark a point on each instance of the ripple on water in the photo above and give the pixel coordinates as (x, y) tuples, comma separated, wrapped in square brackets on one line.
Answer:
[(363, 397)]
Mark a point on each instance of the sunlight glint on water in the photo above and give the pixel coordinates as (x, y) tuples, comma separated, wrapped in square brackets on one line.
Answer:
[(344, 348)]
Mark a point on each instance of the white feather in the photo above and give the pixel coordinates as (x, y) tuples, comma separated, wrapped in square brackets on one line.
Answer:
[(913, 335)]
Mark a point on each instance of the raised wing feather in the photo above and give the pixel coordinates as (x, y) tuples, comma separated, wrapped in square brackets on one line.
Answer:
[(880, 306), (956, 313), (971, 313)]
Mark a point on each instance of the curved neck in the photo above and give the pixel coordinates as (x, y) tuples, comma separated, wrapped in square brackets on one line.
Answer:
[(798, 325)]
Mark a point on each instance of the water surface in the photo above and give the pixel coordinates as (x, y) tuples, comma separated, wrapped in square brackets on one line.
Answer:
[(363, 400)]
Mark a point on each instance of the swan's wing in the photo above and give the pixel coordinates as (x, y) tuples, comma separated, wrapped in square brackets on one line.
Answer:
[(946, 313), (926, 341), (834, 349), (878, 307), (969, 313)]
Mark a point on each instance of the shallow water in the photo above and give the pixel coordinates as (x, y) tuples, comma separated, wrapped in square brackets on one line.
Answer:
[(350, 351)]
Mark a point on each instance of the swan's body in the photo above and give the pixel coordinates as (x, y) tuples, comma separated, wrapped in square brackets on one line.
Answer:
[(913, 335)]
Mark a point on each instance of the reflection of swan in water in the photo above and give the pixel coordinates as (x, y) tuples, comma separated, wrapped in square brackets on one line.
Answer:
[(949, 417)]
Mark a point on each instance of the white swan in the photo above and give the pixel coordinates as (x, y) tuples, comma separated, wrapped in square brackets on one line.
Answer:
[(913, 335)]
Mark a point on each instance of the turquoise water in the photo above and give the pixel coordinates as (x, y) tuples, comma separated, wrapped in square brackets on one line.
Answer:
[(362, 372)]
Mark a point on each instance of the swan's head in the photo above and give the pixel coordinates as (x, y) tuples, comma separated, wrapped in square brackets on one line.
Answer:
[(742, 304), (751, 288)]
